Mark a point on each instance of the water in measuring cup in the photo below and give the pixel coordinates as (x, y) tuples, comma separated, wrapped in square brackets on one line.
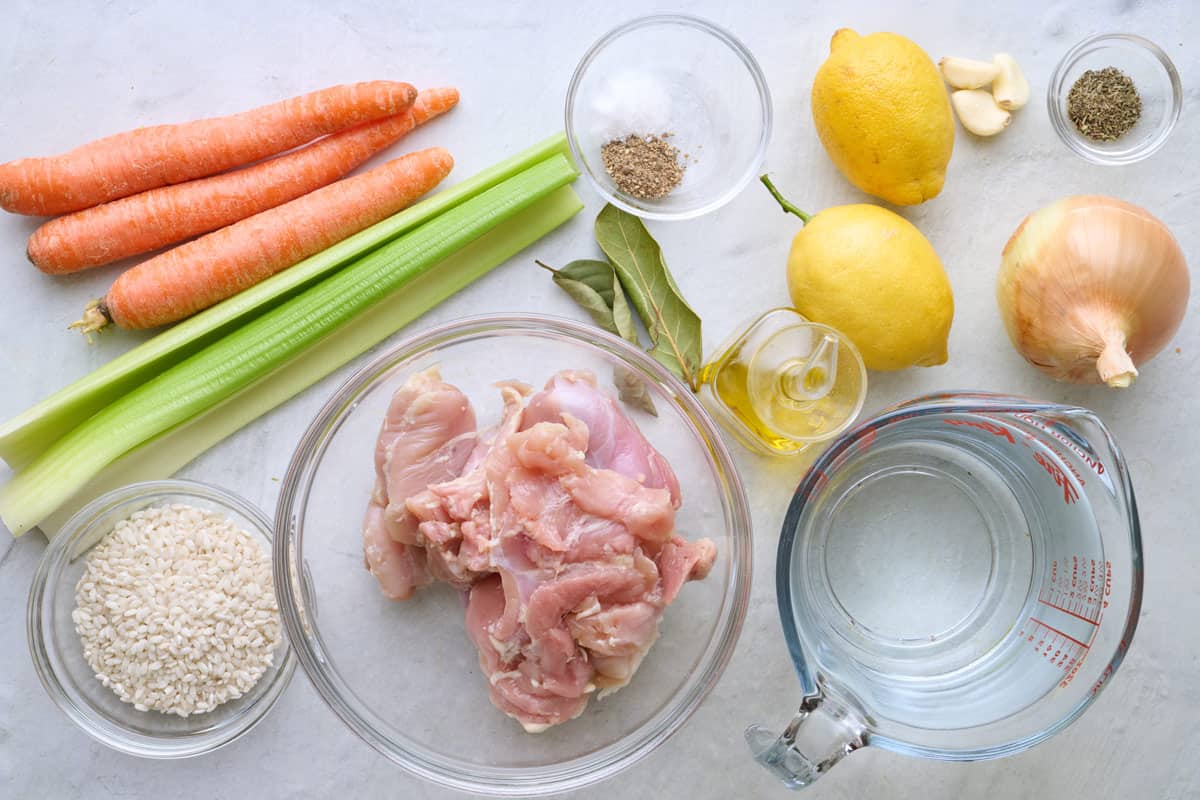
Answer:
[(955, 573)]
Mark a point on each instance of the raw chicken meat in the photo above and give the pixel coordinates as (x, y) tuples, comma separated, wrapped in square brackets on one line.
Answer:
[(427, 435), (558, 523), (614, 441)]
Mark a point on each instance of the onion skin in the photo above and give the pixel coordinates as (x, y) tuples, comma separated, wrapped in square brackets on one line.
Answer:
[(1090, 288)]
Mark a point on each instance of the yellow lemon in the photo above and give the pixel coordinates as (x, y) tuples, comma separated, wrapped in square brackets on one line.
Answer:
[(871, 274), (883, 114)]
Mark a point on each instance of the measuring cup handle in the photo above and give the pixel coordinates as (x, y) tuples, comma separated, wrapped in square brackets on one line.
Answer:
[(819, 736)]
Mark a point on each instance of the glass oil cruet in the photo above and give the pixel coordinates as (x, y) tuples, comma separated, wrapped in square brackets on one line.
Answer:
[(783, 383)]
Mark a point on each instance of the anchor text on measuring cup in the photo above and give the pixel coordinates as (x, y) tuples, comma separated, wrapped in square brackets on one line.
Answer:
[(1093, 463)]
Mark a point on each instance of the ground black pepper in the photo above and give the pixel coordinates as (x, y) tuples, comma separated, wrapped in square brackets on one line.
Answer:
[(646, 167)]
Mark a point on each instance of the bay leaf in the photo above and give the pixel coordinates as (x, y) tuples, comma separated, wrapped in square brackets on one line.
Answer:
[(631, 389), (673, 326), (593, 284)]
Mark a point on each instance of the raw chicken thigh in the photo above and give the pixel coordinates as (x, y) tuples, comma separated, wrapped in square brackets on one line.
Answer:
[(614, 441), (427, 435), (559, 523)]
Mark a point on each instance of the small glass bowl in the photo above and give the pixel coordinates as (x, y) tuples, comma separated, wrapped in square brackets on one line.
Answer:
[(675, 74), (404, 676), (58, 654), (1157, 83)]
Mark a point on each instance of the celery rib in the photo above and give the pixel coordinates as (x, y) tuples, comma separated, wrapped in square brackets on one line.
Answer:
[(26, 435), (169, 452), (234, 361)]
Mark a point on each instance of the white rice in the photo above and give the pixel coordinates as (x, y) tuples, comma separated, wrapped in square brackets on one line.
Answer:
[(176, 610)]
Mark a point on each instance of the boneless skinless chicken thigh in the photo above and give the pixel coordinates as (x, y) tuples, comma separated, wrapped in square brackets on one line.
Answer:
[(558, 522)]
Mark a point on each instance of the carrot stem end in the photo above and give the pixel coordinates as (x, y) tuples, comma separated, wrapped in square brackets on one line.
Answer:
[(95, 319)]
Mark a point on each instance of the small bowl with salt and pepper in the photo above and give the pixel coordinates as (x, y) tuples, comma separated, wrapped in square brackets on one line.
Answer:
[(669, 116), (1114, 98)]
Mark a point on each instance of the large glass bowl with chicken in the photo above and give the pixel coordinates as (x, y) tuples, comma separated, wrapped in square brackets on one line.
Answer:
[(499, 573)]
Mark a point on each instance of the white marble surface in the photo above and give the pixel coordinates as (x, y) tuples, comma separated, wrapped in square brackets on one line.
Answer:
[(70, 71)]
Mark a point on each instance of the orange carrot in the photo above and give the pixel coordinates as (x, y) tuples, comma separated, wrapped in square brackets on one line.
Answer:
[(204, 271), (150, 220), (146, 158)]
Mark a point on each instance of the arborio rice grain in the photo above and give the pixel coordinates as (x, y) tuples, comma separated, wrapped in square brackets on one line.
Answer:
[(176, 610)]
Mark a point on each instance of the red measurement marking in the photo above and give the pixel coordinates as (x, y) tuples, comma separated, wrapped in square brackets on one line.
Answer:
[(989, 427), (1060, 633), (1067, 611), (1070, 493)]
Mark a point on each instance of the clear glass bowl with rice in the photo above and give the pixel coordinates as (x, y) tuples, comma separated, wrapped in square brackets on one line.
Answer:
[(54, 625)]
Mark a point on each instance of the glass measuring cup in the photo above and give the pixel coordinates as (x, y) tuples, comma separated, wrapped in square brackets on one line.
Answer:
[(958, 578)]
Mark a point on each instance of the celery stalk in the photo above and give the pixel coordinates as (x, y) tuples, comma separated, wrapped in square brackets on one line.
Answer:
[(169, 452), (265, 343), (28, 434)]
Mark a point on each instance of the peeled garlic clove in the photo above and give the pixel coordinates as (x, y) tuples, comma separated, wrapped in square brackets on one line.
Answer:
[(978, 112), (1010, 89), (966, 73)]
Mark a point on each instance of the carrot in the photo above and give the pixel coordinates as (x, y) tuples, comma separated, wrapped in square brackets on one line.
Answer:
[(146, 158), (204, 271), (150, 220)]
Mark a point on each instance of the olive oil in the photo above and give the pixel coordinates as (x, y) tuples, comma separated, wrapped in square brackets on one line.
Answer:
[(783, 383)]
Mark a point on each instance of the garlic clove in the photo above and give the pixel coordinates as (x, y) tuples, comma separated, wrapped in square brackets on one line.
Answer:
[(978, 112), (966, 73), (1010, 89)]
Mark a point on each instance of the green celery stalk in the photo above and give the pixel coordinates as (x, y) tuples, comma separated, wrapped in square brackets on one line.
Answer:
[(169, 452), (28, 434), (265, 343)]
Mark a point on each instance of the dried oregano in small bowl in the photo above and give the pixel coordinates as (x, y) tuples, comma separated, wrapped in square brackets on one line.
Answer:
[(1114, 98)]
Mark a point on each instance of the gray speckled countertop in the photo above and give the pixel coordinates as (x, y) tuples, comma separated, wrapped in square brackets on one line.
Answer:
[(73, 71)]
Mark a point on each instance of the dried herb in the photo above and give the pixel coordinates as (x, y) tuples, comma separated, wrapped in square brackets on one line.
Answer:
[(635, 267), (1104, 104), (631, 389), (673, 326), (595, 287), (646, 167)]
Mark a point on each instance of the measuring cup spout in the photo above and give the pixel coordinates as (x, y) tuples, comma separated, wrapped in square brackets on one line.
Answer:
[(819, 736)]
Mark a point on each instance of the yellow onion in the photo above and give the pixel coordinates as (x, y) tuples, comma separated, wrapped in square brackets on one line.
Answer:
[(1090, 287)]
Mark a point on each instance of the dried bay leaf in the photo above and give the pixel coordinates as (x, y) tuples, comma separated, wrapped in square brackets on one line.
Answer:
[(593, 284), (631, 389), (673, 326)]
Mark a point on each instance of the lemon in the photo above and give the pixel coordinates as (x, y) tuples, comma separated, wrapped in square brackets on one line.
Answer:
[(884, 117), (871, 274)]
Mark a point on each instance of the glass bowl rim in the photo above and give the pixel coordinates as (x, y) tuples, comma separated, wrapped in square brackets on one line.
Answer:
[(1066, 129), (81, 711), (743, 53), (292, 578)]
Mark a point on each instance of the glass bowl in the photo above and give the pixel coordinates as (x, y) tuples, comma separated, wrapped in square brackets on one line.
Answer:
[(1157, 83), (403, 675), (58, 654), (674, 74)]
